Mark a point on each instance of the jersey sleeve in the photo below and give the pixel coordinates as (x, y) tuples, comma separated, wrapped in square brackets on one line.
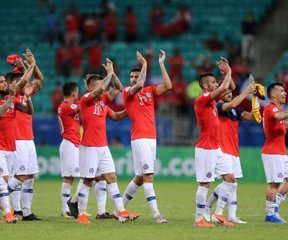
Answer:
[(204, 99), (125, 93), (273, 111), (220, 108), (238, 113), (109, 111), (86, 99)]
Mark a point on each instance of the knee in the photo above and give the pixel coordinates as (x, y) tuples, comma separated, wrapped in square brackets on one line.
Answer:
[(138, 180), (110, 178), (148, 177)]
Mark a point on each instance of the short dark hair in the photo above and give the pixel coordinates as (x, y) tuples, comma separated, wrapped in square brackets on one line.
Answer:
[(92, 78), (68, 88), (203, 78), (135, 69), (271, 88), (12, 76)]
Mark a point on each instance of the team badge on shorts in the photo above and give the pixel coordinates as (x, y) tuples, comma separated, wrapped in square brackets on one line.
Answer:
[(1, 170), (22, 168), (145, 166), (91, 170), (209, 175), (280, 175), (77, 169)]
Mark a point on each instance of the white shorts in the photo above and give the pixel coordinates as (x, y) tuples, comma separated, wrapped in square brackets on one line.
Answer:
[(236, 165), (144, 155), (6, 162), (95, 161), (211, 163), (25, 158), (69, 159), (276, 167)]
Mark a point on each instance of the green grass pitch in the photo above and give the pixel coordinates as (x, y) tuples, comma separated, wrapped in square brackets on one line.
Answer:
[(176, 201)]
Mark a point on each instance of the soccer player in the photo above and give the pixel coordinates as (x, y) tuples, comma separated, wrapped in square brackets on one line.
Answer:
[(94, 152), (209, 159), (68, 117), (274, 155), (8, 135), (229, 117), (139, 104), (25, 157)]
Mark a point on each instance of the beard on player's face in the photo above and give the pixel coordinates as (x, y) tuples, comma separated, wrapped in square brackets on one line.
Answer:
[(4, 92)]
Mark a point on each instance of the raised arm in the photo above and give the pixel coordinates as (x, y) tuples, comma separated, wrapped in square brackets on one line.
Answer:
[(167, 85), (105, 82), (25, 79), (142, 76), (239, 99), (6, 105), (38, 76), (113, 92), (224, 67)]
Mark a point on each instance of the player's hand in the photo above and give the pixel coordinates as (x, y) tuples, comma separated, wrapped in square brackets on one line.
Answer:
[(29, 57), (223, 65), (162, 56), (252, 88), (28, 89), (140, 58), (109, 66)]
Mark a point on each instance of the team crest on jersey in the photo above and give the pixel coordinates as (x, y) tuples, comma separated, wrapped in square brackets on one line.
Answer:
[(101, 103), (145, 166), (73, 106), (22, 168), (209, 175), (275, 109), (91, 170), (148, 95), (77, 169), (280, 175), (234, 112)]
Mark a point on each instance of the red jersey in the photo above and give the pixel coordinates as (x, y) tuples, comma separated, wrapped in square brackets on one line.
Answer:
[(24, 129), (208, 122), (8, 127), (140, 108), (69, 122), (228, 129), (274, 131), (94, 113)]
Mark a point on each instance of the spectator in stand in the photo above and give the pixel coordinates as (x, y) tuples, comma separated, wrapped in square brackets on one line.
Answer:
[(156, 18), (63, 62), (76, 56), (203, 64), (130, 22), (230, 47), (90, 27), (176, 62), (179, 24), (240, 72), (214, 43), (95, 57), (72, 25), (248, 28), (51, 24), (110, 26), (105, 8), (56, 97)]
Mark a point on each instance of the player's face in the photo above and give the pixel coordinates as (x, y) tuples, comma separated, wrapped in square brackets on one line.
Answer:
[(227, 97), (76, 94), (133, 77), (93, 85), (3, 86), (211, 84), (280, 94)]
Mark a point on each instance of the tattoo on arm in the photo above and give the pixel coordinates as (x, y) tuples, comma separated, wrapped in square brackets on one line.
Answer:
[(6, 105)]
